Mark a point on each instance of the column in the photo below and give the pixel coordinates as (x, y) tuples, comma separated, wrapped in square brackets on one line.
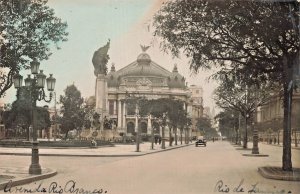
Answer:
[(119, 114), (136, 123), (160, 131), (115, 107), (149, 125), (124, 116)]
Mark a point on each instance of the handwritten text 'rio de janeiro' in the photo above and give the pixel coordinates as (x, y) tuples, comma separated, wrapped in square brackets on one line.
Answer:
[(240, 188)]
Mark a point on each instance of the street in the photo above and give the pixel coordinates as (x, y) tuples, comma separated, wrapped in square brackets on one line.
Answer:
[(217, 168)]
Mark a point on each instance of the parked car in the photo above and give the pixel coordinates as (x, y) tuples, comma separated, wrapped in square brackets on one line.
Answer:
[(200, 141)]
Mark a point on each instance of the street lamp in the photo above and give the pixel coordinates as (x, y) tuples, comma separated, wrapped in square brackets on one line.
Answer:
[(152, 132), (137, 131), (163, 122), (255, 149), (246, 131), (36, 86)]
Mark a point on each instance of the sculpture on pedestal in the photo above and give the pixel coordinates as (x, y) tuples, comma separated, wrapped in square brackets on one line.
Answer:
[(100, 59)]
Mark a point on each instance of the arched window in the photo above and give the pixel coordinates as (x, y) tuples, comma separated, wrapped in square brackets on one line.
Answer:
[(144, 127), (130, 127)]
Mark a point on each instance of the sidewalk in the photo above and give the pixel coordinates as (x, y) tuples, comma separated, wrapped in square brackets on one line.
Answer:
[(271, 172), (280, 145), (19, 176)]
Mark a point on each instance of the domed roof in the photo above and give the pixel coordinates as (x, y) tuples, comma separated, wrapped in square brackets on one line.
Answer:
[(143, 58), (176, 80), (150, 69), (112, 77), (91, 101), (145, 67)]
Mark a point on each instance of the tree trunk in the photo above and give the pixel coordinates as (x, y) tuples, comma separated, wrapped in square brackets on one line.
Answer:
[(184, 136), (236, 136), (286, 155), (170, 136), (246, 133), (66, 136), (175, 128), (181, 131), (163, 145), (27, 133), (152, 138), (138, 138), (287, 110)]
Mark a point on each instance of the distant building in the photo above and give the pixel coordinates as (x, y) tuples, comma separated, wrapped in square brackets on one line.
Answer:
[(196, 108), (206, 112), (270, 115)]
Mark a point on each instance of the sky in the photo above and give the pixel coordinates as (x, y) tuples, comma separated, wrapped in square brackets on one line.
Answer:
[(127, 23)]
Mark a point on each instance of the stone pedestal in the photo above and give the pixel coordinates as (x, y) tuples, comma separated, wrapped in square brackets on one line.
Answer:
[(255, 149), (101, 97)]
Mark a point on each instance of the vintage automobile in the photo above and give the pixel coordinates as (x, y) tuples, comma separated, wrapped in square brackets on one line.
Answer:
[(200, 141)]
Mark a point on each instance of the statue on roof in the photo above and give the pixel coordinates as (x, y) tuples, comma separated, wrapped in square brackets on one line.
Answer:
[(144, 48), (100, 59)]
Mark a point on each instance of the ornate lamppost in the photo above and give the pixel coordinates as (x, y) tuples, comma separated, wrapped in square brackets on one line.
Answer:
[(255, 149), (163, 123), (234, 129), (247, 116), (36, 86), (138, 116), (152, 132)]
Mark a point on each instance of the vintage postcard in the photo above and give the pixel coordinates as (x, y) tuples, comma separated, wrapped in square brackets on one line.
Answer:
[(149, 96)]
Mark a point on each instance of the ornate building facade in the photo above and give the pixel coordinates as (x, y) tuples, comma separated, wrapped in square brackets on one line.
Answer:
[(144, 78)]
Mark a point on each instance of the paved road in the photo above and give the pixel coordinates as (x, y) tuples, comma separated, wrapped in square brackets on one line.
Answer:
[(189, 170)]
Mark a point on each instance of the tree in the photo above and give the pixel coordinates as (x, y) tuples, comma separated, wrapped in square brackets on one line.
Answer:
[(240, 96), (228, 121), (176, 110), (72, 110), (20, 114), (204, 125), (231, 35), (27, 28)]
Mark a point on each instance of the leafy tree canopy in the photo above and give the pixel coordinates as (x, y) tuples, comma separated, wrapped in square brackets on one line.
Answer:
[(244, 37), (20, 114), (27, 30), (71, 109)]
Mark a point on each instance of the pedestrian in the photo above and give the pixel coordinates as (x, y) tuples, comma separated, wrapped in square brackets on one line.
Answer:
[(159, 140), (155, 139)]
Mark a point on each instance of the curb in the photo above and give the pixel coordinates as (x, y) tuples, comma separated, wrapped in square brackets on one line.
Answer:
[(244, 149), (97, 155), (271, 172), (276, 145), (256, 155), (26, 180)]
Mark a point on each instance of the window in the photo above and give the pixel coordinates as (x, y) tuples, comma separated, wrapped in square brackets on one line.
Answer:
[(111, 107)]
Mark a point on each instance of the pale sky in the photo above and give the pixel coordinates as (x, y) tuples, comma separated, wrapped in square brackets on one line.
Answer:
[(90, 24)]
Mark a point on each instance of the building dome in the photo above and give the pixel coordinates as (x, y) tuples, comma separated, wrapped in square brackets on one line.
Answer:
[(143, 58), (145, 70), (91, 101), (112, 77), (176, 80)]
